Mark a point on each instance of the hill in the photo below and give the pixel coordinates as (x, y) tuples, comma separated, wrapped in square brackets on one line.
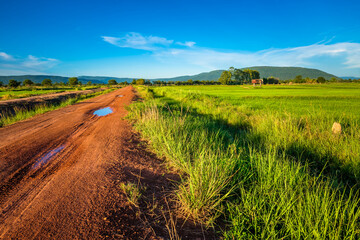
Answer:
[(102, 79), (34, 78), (285, 73), (40, 78), (352, 78), (207, 76)]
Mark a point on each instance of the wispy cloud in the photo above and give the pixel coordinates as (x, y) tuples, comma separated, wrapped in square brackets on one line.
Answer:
[(186, 44), (323, 55), (138, 41), (27, 65), (5, 56)]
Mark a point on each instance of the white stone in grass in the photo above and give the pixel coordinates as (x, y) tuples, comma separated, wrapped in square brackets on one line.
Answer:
[(336, 128)]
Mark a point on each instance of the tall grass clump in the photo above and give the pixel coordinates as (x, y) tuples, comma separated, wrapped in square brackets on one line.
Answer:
[(232, 173)]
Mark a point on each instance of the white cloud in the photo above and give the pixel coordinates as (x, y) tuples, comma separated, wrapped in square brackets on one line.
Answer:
[(28, 65), (344, 55), (186, 44), (6, 56), (138, 41)]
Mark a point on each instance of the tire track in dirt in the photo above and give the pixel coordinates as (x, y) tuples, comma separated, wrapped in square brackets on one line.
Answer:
[(77, 194)]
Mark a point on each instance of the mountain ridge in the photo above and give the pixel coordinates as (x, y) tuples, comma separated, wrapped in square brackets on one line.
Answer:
[(283, 73)]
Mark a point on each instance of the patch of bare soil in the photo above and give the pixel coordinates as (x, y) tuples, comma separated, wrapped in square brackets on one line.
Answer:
[(61, 175)]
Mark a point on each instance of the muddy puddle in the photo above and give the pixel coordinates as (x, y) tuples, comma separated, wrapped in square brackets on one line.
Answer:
[(48, 156), (103, 111)]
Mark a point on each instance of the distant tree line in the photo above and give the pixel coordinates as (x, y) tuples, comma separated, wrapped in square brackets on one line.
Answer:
[(233, 76), (301, 79)]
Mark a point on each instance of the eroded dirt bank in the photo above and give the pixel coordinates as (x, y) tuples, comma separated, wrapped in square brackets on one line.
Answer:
[(60, 176)]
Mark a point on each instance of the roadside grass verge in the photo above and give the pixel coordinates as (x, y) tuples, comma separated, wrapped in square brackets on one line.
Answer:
[(22, 114), (230, 174)]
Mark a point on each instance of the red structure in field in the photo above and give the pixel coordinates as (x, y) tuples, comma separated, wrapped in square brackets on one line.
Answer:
[(257, 81)]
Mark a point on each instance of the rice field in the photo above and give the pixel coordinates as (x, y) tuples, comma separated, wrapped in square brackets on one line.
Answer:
[(263, 162)]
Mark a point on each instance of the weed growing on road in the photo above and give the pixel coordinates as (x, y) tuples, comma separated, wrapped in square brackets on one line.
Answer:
[(132, 192)]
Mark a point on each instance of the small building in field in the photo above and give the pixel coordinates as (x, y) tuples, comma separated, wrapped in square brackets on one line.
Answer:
[(257, 81)]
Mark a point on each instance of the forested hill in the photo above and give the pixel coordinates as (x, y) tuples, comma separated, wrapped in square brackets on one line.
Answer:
[(34, 78), (283, 73), (286, 73), (54, 79), (207, 76)]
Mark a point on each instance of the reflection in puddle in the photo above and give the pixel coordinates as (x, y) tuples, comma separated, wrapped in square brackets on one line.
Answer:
[(120, 95), (46, 158), (103, 111)]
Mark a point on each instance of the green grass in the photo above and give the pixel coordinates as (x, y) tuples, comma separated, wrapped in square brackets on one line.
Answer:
[(267, 172), (22, 114), (23, 92)]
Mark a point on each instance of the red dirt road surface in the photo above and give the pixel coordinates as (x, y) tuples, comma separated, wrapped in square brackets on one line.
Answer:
[(60, 176)]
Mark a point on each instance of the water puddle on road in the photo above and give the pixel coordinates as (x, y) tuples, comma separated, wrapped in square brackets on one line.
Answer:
[(103, 111), (47, 157), (120, 95)]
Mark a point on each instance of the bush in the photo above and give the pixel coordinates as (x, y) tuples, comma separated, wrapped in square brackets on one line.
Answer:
[(13, 83)]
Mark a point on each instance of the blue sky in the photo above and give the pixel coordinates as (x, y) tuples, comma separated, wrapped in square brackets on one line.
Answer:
[(170, 38)]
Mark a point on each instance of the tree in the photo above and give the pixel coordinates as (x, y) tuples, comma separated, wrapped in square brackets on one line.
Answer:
[(189, 82), (112, 82), (320, 80), (239, 76), (89, 83), (251, 74), (225, 77), (1, 84), (13, 83), (140, 81), (133, 82), (273, 80), (298, 79), (28, 82), (333, 79), (73, 81), (46, 82)]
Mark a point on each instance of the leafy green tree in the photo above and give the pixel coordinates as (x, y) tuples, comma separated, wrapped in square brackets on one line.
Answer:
[(1, 84), (251, 74), (273, 80), (28, 82), (46, 82), (13, 83), (112, 82), (320, 80), (89, 83), (73, 81), (298, 79), (239, 76), (225, 77), (140, 81), (189, 82), (133, 82), (333, 79)]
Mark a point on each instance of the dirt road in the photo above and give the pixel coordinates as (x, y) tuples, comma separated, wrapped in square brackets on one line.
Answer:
[(60, 174)]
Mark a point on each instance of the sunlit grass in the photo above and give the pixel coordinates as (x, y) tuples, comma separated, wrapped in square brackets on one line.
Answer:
[(268, 174)]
